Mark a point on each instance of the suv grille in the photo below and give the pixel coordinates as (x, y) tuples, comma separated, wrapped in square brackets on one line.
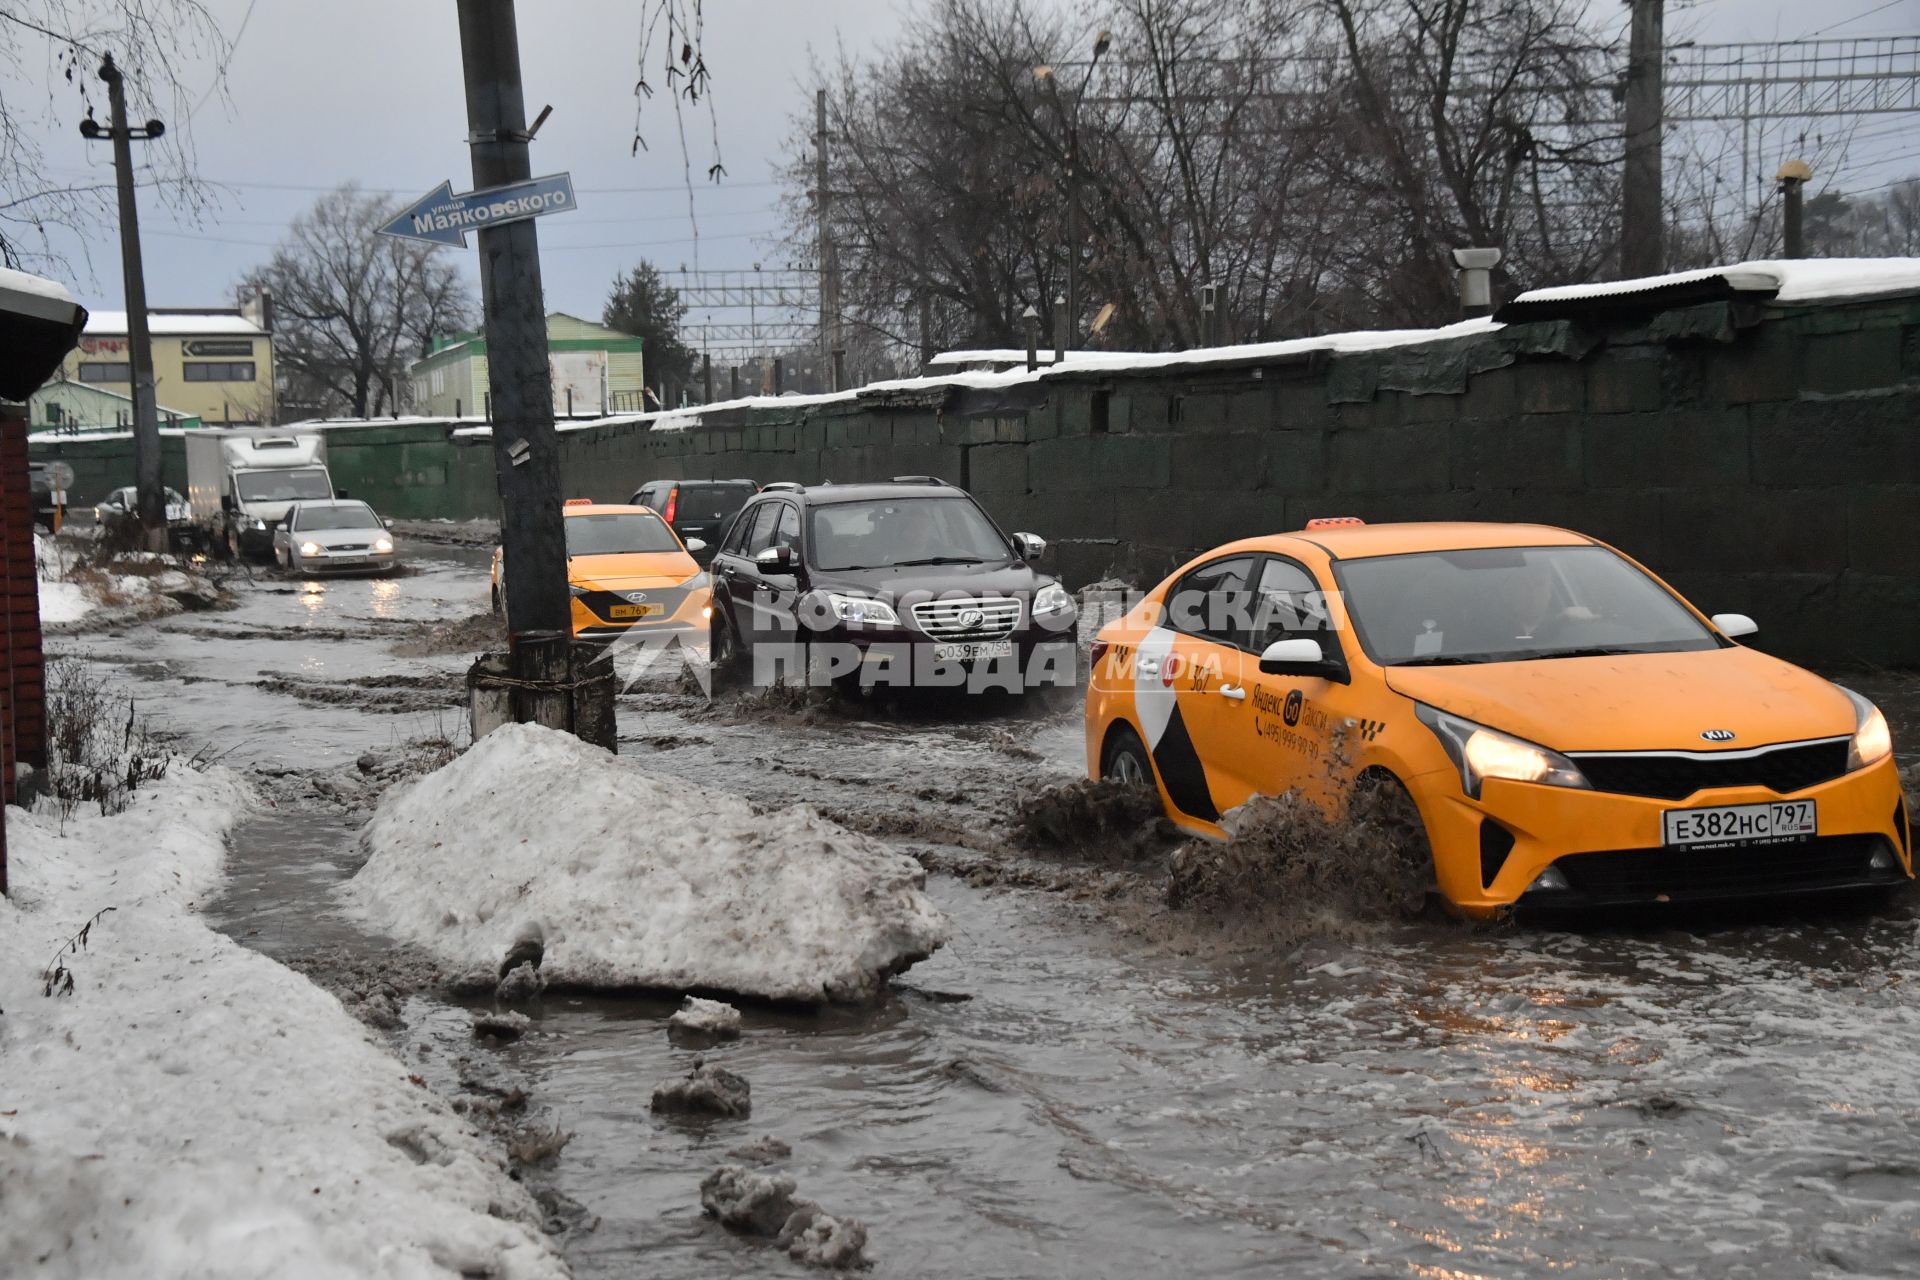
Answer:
[(943, 618), (1675, 777), (1828, 862)]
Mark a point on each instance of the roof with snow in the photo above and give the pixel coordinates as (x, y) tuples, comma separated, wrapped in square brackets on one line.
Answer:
[(180, 322), (1778, 280)]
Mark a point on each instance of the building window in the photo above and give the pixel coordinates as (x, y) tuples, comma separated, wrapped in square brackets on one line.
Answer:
[(217, 371), (109, 371)]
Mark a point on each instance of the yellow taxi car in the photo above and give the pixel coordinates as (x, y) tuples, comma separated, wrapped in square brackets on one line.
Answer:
[(627, 571), (1570, 729)]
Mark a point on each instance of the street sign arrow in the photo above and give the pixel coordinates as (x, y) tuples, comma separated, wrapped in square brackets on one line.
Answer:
[(441, 217)]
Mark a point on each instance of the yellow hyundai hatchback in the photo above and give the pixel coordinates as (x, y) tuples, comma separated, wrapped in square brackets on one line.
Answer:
[(627, 572), (1570, 729)]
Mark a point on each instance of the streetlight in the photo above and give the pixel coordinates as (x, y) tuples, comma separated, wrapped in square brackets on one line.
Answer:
[(1045, 73)]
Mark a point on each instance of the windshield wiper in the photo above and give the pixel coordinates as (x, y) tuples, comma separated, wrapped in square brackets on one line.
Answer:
[(1584, 651), (1450, 660), (943, 560)]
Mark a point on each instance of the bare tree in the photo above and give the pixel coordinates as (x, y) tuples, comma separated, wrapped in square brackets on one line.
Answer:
[(1314, 160), (354, 308), (173, 56)]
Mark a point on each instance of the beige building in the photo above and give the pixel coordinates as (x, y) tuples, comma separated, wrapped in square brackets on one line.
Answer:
[(215, 364), (596, 370)]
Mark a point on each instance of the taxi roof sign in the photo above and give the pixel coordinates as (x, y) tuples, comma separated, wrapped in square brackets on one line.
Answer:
[(579, 502), (1333, 522)]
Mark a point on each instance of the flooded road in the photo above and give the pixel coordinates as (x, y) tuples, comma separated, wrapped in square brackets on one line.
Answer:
[(1055, 1094)]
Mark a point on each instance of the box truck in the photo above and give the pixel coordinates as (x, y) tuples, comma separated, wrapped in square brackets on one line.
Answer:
[(241, 482)]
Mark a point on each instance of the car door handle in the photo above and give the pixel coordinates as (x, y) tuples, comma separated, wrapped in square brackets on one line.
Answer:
[(1148, 666), (1237, 693)]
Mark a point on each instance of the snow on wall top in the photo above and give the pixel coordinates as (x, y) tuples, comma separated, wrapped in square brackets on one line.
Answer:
[(1795, 279), (191, 324)]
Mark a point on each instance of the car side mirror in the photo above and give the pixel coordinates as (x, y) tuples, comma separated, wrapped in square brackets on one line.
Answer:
[(339, 493), (1735, 625), (1299, 657), (700, 544), (1030, 546), (775, 560), (226, 502)]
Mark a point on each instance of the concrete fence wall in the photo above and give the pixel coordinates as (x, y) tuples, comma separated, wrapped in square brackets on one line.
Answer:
[(1764, 459)]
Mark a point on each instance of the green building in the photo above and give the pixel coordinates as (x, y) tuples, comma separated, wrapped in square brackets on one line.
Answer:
[(596, 371), (68, 406)]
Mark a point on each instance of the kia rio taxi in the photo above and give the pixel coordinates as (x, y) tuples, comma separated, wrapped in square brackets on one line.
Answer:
[(627, 573), (1571, 731)]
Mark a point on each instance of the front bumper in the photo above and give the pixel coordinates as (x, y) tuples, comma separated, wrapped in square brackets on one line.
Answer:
[(345, 562), (907, 657), (1489, 853), (688, 621)]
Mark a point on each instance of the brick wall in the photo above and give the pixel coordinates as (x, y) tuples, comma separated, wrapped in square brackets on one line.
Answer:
[(22, 672)]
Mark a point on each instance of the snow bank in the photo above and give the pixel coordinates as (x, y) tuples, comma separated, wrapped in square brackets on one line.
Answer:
[(60, 601), (194, 1109), (636, 880)]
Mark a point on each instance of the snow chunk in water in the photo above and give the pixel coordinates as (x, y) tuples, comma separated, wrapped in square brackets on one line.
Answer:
[(712, 1019), (637, 880)]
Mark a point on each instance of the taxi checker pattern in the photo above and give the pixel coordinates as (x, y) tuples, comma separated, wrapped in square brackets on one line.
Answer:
[(1600, 742)]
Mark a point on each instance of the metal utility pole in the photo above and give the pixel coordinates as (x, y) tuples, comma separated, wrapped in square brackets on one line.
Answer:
[(1793, 178), (520, 382), (1642, 223), (146, 416)]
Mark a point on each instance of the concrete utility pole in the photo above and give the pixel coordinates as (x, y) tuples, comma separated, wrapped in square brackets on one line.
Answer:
[(151, 500), (829, 267), (1642, 221), (520, 382)]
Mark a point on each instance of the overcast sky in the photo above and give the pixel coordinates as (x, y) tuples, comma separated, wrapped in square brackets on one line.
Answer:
[(370, 90)]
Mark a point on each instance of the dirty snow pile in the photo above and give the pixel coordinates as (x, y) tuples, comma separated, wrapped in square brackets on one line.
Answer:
[(191, 1108), (72, 586), (636, 880)]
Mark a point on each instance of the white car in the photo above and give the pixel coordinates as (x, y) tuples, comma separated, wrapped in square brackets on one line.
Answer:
[(121, 505), (335, 536)]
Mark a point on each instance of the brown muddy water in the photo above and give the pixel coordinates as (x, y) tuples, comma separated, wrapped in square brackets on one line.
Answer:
[(1060, 1093)]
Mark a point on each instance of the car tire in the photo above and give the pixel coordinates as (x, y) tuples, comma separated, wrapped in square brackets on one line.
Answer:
[(1392, 808), (725, 658), (1126, 760)]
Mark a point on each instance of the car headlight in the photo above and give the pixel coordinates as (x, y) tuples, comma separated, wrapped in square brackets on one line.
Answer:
[(863, 611), (259, 525), (1481, 753), (383, 546), (1872, 740), (1052, 598), (576, 591), (309, 548)]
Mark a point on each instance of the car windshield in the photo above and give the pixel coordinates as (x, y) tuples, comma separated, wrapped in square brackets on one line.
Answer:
[(295, 484), (1503, 604), (618, 533), (344, 515), (903, 531)]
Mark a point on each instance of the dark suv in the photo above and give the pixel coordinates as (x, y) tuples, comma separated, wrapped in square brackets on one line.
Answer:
[(907, 582), (698, 510)]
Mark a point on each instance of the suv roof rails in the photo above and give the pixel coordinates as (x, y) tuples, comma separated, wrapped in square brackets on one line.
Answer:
[(782, 486), (920, 480)]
